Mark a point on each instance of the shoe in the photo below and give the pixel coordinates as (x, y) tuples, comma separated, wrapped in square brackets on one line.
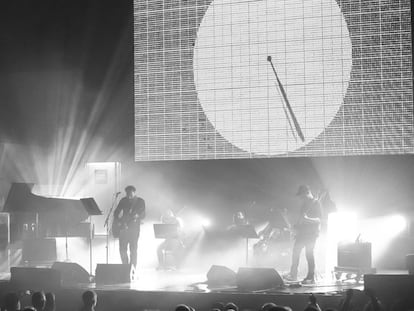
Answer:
[(290, 278), (133, 274), (309, 281)]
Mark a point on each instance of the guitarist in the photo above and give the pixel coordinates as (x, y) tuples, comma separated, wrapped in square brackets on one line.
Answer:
[(307, 231), (127, 222)]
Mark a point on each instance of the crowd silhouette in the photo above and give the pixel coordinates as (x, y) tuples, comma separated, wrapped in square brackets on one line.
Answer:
[(352, 300)]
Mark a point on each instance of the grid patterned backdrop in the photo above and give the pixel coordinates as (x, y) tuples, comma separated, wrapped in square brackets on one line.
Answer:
[(204, 88)]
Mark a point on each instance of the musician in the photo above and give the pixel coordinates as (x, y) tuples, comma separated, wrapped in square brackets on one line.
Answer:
[(128, 215), (172, 245), (307, 231), (276, 230), (278, 225), (239, 220)]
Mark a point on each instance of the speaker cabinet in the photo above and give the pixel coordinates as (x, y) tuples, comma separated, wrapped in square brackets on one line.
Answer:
[(35, 278), (221, 275), (251, 279), (71, 273), (354, 255), (409, 260), (110, 274), (390, 287)]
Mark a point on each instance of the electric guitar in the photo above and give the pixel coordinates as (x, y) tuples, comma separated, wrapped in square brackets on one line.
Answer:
[(306, 226), (119, 224)]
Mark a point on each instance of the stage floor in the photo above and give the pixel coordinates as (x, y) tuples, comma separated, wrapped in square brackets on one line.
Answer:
[(162, 290), (195, 281), (191, 281)]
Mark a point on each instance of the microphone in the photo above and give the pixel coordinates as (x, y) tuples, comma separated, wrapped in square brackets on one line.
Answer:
[(118, 193)]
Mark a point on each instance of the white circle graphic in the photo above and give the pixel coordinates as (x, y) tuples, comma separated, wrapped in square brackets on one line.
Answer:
[(311, 50)]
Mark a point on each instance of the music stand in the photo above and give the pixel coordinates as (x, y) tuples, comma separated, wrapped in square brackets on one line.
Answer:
[(166, 231), (93, 210), (247, 232)]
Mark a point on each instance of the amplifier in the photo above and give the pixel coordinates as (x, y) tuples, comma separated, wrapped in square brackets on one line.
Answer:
[(354, 255)]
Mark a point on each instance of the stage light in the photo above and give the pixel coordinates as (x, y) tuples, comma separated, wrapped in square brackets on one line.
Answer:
[(397, 223), (194, 221), (342, 227), (205, 222)]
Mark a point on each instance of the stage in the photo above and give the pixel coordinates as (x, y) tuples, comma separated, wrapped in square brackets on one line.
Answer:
[(162, 290), (196, 282)]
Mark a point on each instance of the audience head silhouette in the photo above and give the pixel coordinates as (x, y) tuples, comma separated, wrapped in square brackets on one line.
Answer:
[(267, 306), (89, 299), (218, 305), (39, 300), (280, 308), (231, 306), (50, 302), (11, 302), (183, 307)]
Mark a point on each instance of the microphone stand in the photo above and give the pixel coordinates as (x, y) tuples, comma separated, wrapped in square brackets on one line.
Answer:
[(66, 239), (107, 226), (91, 236)]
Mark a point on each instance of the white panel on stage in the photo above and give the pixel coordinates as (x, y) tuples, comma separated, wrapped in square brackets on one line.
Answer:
[(103, 184)]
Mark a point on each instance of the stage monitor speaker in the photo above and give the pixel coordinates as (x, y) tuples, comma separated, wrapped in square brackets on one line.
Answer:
[(221, 275), (72, 273), (109, 274), (258, 279), (35, 278), (390, 287), (409, 259), (39, 250)]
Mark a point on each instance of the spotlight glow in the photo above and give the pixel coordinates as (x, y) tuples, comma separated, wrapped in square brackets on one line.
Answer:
[(194, 220), (205, 222), (381, 232), (397, 223), (383, 229), (342, 227)]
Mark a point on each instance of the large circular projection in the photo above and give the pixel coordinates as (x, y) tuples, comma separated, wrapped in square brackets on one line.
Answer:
[(311, 51)]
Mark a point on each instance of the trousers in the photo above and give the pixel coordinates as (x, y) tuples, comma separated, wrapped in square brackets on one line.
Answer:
[(128, 238), (307, 242)]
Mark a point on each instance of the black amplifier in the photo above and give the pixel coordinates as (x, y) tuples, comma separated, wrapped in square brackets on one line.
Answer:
[(354, 255)]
